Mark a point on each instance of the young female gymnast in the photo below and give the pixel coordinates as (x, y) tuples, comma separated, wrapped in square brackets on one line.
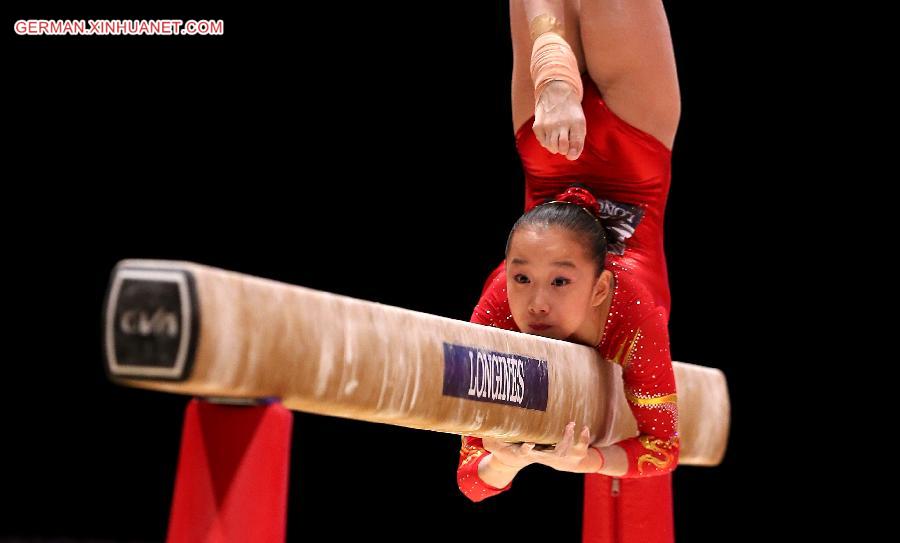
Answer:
[(586, 261)]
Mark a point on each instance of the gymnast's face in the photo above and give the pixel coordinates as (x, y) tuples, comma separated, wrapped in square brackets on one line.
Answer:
[(552, 284)]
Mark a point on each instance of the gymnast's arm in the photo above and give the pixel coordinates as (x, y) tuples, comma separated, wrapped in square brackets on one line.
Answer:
[(649, 381), (477, 475)]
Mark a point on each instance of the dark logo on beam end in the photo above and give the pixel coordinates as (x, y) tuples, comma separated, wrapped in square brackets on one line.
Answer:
[(150, 323), (489, 376)]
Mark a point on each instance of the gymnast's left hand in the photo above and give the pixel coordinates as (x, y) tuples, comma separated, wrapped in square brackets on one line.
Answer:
[(569, 455)]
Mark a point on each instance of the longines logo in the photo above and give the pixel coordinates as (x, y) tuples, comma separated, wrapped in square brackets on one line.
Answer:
[(488, 376)]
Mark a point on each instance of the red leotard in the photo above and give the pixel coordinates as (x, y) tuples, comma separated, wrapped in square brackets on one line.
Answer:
[(629, 171)]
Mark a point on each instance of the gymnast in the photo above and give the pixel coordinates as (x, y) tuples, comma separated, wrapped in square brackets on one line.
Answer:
[(586, 261)]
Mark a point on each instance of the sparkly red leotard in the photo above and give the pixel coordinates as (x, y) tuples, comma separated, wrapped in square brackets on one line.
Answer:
[(629, 171)]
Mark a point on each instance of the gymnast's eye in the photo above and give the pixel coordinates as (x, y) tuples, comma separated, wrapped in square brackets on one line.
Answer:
[(519, 278), (561, 279)]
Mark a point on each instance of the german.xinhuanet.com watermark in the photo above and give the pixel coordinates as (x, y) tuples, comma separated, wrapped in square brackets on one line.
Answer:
[(119, 27)]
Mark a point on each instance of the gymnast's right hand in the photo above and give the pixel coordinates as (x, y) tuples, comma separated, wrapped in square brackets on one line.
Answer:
[(513, 455), (559, 123)]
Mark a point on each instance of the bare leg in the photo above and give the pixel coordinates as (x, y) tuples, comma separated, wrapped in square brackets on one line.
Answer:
[(522, 86), (629, 54), (626, 47)]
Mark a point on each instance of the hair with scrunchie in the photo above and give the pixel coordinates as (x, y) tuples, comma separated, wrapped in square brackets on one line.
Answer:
[(582, 220), (577, 194)]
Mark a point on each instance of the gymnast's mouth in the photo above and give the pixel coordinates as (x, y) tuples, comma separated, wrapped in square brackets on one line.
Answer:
[(538, 327)]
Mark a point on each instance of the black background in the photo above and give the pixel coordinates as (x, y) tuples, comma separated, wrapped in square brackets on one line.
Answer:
[(367, 150)]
